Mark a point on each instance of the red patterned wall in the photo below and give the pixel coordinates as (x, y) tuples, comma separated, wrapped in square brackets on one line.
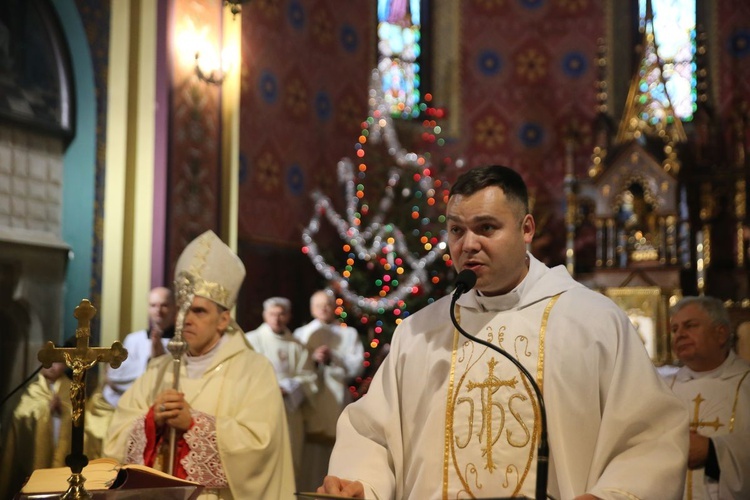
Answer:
[(527, 77), (195, 132), (732, 48), (304, 94)]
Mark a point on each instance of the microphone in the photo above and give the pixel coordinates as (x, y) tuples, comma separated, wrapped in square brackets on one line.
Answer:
[(465, 281)]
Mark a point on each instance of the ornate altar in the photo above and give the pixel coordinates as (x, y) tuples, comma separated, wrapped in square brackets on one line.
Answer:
[(660, 213)]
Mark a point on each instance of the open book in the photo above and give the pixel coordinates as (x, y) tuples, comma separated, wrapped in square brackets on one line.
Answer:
[(104, 474)]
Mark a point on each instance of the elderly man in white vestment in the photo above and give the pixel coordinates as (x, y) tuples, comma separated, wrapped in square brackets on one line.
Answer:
[(293, 370), (715, 387), (228, 412), (338, 356), (448, 418)]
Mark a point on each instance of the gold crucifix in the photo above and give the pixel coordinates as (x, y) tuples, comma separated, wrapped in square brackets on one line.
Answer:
[(488, 388), (79, 359), (697, 423)]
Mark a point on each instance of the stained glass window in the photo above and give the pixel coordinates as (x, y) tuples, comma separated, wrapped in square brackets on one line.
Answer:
[(400, 38), (674, 31)]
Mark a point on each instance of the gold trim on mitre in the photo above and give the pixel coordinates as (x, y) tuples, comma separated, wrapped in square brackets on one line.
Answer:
[(197, 286)]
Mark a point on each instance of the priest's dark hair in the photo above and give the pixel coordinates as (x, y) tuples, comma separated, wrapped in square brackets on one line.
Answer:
[(503, 177)]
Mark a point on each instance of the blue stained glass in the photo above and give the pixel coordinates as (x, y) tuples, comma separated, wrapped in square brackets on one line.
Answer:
[(399, 46), (268, 87), (296, 14), (490, 63), (674, 32)]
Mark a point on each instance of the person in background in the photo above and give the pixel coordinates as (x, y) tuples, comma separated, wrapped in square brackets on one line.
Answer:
[(290, 361), (338, 356), (714, 385), (227, 413), (39, 435), (449, 418), (142, 347)]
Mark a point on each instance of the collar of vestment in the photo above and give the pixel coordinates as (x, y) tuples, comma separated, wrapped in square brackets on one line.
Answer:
[(286, 334), (266, 330), (526, 293), (731, 367), (230, 344)]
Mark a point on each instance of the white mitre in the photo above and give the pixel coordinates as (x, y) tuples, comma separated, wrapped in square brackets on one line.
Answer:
[(209, 268)]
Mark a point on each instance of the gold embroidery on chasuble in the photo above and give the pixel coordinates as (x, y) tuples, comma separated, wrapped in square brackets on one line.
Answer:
[(492, 427), (713, 408)]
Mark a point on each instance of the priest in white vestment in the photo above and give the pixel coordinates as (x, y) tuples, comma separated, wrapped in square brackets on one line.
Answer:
[(228, 411), (714, 385), (293, 370), (449, 418), (39, 433), (338, 356)]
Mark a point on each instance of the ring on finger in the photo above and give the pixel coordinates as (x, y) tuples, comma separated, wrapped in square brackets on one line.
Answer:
[(162, 408)]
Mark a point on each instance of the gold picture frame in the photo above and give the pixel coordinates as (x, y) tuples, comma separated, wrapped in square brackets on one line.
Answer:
[(648, 309)]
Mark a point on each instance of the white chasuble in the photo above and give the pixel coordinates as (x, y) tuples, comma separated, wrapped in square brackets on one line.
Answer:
[(492, 415), (445, 418), (718, 403)]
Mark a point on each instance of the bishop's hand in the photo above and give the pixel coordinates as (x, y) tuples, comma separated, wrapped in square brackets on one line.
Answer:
[(170, 408)]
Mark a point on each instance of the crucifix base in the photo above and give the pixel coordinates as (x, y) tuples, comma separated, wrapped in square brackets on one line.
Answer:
[(76, 491)]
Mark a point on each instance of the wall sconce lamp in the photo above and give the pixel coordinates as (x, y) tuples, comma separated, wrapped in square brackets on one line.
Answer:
[(212, 72), (213, 68), (235, 6), (208, 64)]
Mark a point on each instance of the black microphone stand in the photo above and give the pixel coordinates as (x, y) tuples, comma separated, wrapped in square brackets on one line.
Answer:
[(542, 458)]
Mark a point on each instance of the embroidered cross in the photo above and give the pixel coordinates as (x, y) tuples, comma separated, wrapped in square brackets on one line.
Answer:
[(488, 388), (697, 423)]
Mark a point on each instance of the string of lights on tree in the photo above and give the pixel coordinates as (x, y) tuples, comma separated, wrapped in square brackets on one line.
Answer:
[(392, 253)]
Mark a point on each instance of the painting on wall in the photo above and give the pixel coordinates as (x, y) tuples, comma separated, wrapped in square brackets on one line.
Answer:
[(35, 88)]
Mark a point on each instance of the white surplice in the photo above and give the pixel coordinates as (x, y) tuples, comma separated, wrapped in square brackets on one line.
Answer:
[(422, 431), (347, 355), (237, 394), (718, 404), (295, 375), (321, 415), (138, 345)]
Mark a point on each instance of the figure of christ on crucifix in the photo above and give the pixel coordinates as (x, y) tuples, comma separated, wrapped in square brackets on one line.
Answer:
[(79, 359)]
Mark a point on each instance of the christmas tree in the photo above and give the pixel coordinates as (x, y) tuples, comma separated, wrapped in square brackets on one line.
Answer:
[(392, 257)]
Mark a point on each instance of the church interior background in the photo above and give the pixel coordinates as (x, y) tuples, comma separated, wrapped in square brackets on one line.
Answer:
[(122, 138)]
